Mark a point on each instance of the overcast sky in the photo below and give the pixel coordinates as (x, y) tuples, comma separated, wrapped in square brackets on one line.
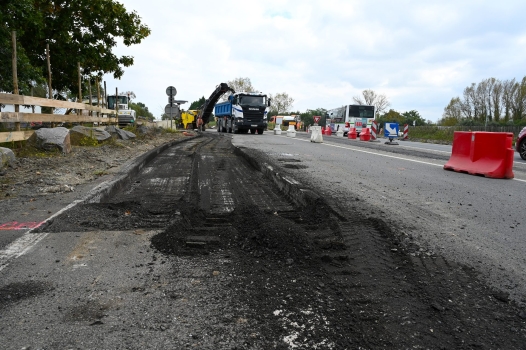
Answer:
[(419, 54)]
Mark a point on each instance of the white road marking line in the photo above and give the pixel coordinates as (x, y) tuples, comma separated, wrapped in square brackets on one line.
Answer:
[(28, 240), (378, 154)]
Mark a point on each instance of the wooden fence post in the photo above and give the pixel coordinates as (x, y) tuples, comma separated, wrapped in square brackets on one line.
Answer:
[(80, 89), (117, 105), (90, 113), (98, 94), (50, 91), (15, 76)]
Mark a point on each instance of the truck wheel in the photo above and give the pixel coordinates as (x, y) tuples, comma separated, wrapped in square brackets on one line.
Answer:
[(252, 131), (522, 149), (260, 131)]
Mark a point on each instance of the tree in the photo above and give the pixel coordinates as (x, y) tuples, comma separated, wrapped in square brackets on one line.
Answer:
[(391, 116), (197, 104), (509, 87), (238, 85), (519, 100), (280, 103), (141, 110), (17, 11), (308, 116), (413, 118), (82, 31), (452, 112), (370, 98)]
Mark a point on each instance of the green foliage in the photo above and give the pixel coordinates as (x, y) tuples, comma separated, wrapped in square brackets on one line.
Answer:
[(413, 117), (197, 104), (409, 117), (391, 116), (82, 31), (14, 15), (433, 133), (100, 172), (141, 110), (450, 121), (308, 117), (88, 141)]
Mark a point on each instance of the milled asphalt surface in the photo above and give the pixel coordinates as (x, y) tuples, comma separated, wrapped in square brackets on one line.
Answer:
[(470, 219)]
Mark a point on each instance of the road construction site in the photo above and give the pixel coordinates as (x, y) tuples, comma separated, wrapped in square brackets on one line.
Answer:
[(224, 241)]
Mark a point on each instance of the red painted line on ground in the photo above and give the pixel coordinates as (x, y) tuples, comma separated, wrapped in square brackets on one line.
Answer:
[(15, 225)]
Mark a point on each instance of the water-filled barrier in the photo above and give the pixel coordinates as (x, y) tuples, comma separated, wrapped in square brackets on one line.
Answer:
[(488, 154)]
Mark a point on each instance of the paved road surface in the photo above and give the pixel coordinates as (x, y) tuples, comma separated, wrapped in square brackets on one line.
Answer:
[(471, 219)]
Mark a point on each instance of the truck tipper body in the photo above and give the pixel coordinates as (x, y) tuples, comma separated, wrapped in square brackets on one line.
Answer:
[(243, 112)]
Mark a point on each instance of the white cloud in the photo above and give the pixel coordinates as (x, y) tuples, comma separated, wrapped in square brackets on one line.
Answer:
[(419, 53)]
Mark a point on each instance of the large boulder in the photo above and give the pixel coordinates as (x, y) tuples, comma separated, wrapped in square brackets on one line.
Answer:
[(79, 132), (143, 130), (122, 134), (51, 139), (7, 157)]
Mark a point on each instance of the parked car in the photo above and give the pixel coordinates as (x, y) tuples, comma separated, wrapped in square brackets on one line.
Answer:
[(520, 146)]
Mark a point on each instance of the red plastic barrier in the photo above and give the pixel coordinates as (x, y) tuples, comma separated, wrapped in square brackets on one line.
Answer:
[(328, 131), (352, 134), (482, 153), (365, 134)]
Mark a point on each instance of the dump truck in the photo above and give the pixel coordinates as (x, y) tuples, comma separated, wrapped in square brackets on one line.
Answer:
[(243, 112), (121, 102)]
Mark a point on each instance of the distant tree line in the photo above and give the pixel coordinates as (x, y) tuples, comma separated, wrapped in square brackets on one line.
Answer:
[(490, 102)]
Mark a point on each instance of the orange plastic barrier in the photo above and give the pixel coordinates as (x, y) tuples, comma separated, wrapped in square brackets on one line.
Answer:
[(488, 154), (365, 134), (352, 134)]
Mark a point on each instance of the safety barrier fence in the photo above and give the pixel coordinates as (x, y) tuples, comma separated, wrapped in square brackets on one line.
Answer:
[(488, 154), (19, 119)]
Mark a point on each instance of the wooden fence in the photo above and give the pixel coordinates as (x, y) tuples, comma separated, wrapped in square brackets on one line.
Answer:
[(86, 115)]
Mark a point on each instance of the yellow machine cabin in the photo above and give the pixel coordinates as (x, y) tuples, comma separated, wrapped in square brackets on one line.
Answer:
[(188, 119)]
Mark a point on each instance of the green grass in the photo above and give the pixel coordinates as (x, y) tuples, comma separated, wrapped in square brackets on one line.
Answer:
[(431, 133)]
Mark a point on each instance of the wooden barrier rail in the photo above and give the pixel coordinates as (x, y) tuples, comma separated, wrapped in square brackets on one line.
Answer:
[(20, 117)]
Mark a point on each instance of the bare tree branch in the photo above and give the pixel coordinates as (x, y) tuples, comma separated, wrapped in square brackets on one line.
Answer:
[(370, 98)]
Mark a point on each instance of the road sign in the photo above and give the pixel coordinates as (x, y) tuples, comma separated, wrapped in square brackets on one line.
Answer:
[(317, 119), (171, 91), (172, 111), (391, 130)]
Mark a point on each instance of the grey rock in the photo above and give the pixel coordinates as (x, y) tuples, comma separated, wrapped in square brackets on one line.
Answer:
[(122, 134), (96, 133), (7, 157), (50, 139)]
